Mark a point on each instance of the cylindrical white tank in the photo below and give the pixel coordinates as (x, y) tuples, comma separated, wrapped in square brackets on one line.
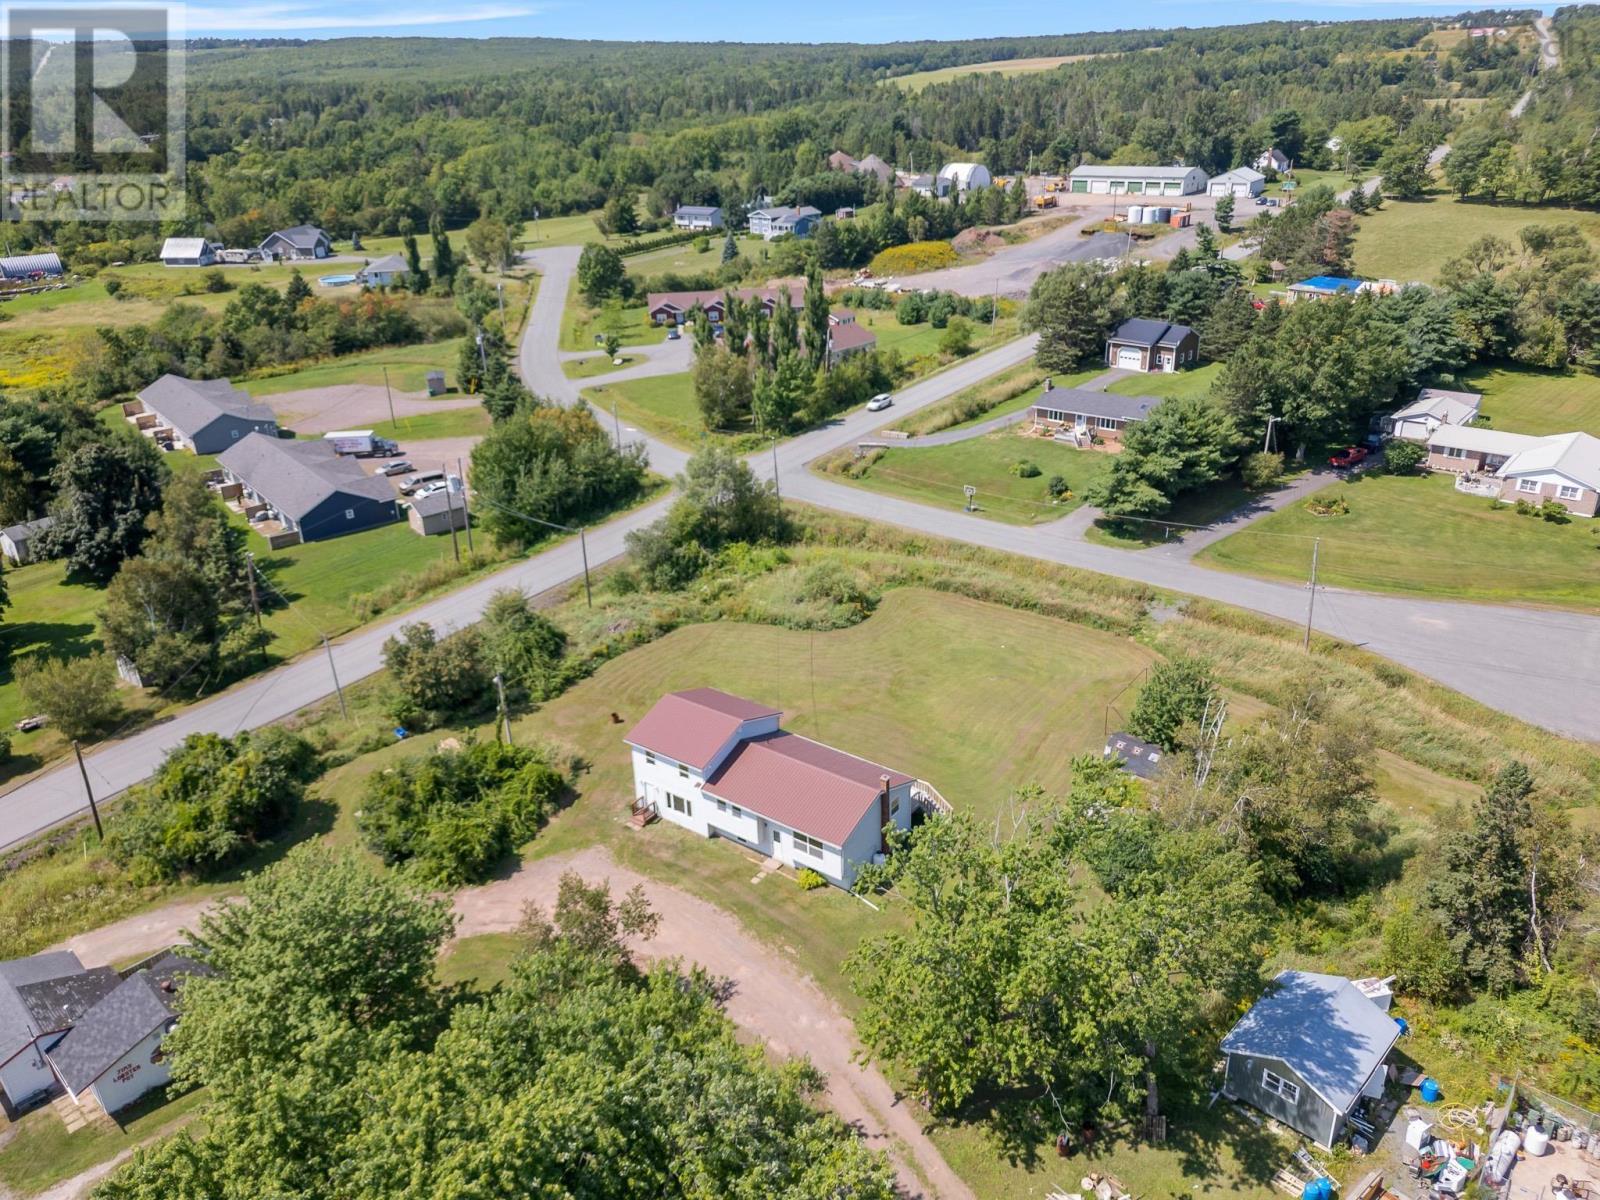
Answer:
[(1536, 1142), (1135, 214), (1503, 1155)]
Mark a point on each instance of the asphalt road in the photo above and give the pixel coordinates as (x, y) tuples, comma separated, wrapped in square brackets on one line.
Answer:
[(1535, 664)]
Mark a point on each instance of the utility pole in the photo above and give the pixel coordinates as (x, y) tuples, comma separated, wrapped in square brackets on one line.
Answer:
[(89, 792), (466, 517), (775, 489), (334, 671), (1311, 604), (1266, 443), (583, 545), (617, 421), (450, 503), (250, 574), (393, 424), (505, 720), (500, 286)]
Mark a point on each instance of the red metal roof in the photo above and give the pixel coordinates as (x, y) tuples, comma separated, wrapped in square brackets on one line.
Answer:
[(850, 337), (805, 785), (691, 726)]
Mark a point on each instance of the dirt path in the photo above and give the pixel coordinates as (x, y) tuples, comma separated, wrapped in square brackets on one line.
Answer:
[(771, 1000)]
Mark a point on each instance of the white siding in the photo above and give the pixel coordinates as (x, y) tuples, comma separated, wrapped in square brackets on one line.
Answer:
[(132, 1075), (28, 1072)]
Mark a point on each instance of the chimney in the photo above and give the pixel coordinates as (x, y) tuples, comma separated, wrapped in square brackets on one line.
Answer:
[(883, 814)]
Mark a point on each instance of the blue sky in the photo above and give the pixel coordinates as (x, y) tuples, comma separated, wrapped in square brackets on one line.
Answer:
[(739, 20)]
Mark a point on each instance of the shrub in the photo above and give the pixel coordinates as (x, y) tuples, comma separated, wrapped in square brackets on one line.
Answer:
[(1025, 468), (454, 814), (832, 582), (112, 285), (1057, 487), (1176, 696), (212, 800), (702, 245), (434, 676), (1261, 470), (5, 747), (809, 880), (957, 338), (1555, 512), (1403, 458), (1328, 506), (78, 695)]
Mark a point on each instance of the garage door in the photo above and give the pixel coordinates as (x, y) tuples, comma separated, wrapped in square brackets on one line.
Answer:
[(1130, 357), (1174, 189), (1080, 185)]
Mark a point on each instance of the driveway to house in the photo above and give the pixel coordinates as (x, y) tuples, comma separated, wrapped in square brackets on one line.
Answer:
[(949, 436), (771, 1000)]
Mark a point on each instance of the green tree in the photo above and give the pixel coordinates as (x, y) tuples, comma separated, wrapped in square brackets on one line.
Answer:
[(620, 215), (161, 615), (445, 265), (723, 389), (104, 492), (1184, 444), (956, 340), (522, 645), (1224, 212), (720, 502), (1404, 168), (433, 674), (601, 274), (780, 394), (1174, 699), (1070, 308), (489, 241), (296, 292), (730, 248), (785, 335), (816, 319), (78, 695)]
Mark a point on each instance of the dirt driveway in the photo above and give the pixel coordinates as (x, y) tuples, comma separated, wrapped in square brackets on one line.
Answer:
[(770, 1000), (354, 406)]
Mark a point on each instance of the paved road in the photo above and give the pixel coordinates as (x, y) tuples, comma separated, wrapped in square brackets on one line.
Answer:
[(1549, 60)]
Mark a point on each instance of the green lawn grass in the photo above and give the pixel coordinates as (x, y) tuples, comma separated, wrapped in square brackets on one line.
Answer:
[(446, 423), (1420, 536), (936, 474), (43, 1154), (1163, 386), (580, 324), (661, 405), (597, 364), (1201, 508), (1528, 400), (480, 962), (408, 367), (1303, 179), (1410, 239), (918, 80), (684, 259)]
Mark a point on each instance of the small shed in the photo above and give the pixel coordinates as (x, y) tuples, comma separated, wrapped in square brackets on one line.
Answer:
[(438, 513), (20, 543), (436, 383), (1133, 754)]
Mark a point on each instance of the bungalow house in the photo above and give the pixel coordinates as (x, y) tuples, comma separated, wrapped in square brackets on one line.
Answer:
[(1432, 408), (205, 416), (697, 216), (1308, 1051), (1272, 159), (437, 513), (719, 766), (31, 267), (1563, 467), (20, 543), (1139, 344), (1134, 181), (1134, 755), (673, 308), (774, 222), (312, 490), (386, 271), (1085, 416), (189, 252), (1241, 181), (846, 338), (297, 243), (112, 1054), (964, 177)]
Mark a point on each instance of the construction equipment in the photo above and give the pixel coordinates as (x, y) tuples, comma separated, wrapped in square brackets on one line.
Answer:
[(1044, 200)]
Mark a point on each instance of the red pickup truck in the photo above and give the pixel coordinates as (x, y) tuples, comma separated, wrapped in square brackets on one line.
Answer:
[(1350, 456)]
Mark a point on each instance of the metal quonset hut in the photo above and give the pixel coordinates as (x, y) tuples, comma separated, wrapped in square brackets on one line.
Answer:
[(1136, 181)]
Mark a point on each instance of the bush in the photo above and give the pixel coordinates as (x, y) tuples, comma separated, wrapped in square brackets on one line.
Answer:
[(454, 814), (433, 676), (5, 747), (1403, 458), (957, 338), (1025, 468), (78, 695), (211, 801), (1057, 487), (913, 258), (112, 285), (809, 880), (1176, 697), (702, 245), (1555, 512), (1262, 470), (1328, 506)]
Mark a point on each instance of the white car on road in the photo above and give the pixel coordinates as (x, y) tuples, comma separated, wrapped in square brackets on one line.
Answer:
[(880, 402)]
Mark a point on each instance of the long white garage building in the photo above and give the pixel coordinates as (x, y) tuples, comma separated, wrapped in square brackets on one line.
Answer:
[(1136, 181)]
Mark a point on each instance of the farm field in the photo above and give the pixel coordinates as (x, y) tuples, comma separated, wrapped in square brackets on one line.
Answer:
[(918, 80), (1419, 536), (1409, 240), (936, 474), (1528, 400), (1196, 382)]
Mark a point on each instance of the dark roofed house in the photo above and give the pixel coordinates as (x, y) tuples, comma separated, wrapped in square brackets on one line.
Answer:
[(313, 491), (1308, 1051), (784, 220), (1143, 345), (297, 243), (382, 272), (24, 1073), (720, 766), (20, 543), (203, 415), (1087, 417), (846, 339), (1134, 755), (113, 1051)]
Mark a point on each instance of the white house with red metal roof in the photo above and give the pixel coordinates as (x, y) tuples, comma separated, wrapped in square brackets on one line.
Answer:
[(720, 766)]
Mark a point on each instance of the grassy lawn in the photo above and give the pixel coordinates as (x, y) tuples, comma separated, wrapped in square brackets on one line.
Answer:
[(580, 324), (981, 399), (662, 405), (1528, 400), (43, 1153), (919, 344), (936, 474), (1303, 179), (1409, 240), (1419, 536), (479, 962), (918, 80), (408, 368), (446, 423), (1163, 386), (684, 259), (597, 364)]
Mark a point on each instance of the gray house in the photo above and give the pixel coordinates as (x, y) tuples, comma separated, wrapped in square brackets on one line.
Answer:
[(769, 223), (1307, 1051), (203, 415), (308, 488), (20, 543), (697, 216), (1140, 344), (296, 243), (437, 513), (385, 271)]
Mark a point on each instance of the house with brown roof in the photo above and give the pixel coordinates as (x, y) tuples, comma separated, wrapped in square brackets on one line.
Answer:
[(718, 765), (675, 308)]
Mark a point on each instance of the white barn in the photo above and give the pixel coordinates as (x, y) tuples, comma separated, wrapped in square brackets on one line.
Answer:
[(719, 766), (1241, 181), (1135, 181)]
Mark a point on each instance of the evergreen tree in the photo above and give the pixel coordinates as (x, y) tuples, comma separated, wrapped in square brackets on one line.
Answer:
[(730, 248), (444, 258), (816, 317)]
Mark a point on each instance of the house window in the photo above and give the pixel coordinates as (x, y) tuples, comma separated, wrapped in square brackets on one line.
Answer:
[(737, 811), (1568, 492), (722, 806), (349, 514), (808, 845), (777, 837), (1528, 485), (650, 757), (1279, 1086), (1107, 423), (894, 806), (679, 805), (683, 771), (1454, 452)]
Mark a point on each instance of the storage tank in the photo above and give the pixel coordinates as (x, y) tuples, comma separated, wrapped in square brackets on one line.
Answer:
[(1135, 214), (1163, 215), (1536, 1141), (1430, 1091)]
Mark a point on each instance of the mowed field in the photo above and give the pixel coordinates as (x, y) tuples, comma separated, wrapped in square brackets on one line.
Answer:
[(918, 80), (1186, 384), (1528, 400), (1419, 536), (1410, 240)]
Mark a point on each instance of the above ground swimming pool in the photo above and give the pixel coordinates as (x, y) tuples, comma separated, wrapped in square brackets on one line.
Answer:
[(336, 280)]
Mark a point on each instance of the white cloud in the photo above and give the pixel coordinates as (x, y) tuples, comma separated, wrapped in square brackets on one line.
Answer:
[(294, 18)]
